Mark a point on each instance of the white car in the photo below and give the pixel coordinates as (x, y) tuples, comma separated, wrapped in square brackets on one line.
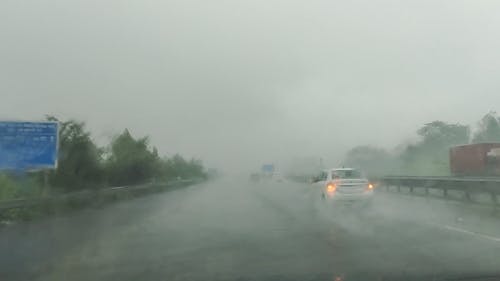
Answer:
[(343, 184)]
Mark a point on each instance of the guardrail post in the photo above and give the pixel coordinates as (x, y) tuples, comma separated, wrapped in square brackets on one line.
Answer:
[(399, 187), (494, 198), (426, 191), (445, 192), (467, 196), (411, 189)]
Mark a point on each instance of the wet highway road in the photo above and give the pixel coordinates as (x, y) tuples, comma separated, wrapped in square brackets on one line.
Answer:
[(233, 230)]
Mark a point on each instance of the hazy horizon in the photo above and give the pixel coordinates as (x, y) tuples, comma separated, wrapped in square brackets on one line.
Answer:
[(241, 83)]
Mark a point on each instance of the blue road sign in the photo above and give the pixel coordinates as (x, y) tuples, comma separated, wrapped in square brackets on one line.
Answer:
[(28, 145), (268, 168)]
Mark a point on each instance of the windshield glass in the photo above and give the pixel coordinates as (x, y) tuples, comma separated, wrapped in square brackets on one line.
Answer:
[(192, 140)]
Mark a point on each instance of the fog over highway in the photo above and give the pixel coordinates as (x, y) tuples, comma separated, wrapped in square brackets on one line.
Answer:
[(259, 80)]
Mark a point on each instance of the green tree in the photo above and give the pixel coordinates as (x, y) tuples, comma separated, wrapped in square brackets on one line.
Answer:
[(79, 161), (439, 134), (177, 166), (131, 161), (372, 160), (429, 156), (489, 129)]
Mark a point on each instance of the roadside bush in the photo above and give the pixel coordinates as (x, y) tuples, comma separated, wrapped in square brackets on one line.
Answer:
[(82, 165), (11, 188), (8, 188)]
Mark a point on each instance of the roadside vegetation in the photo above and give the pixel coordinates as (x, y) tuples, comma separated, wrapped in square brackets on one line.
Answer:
[(83, 165), (429, 154)]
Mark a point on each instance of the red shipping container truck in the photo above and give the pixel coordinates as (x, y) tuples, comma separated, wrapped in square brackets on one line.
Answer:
[(480, 159)]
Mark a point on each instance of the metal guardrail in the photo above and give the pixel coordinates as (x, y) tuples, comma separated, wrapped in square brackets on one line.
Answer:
[(91, 194), (468, 185)]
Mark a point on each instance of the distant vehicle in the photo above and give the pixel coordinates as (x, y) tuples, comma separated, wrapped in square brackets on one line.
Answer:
[(343, 185), (254, 177), (479, 159), (277, 177)]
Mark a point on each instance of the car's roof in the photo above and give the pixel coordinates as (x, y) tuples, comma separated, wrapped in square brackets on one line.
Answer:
[(339, 169), (342, 169)]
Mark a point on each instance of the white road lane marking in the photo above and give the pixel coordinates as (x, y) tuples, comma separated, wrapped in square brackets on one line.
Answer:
[(469, 232)]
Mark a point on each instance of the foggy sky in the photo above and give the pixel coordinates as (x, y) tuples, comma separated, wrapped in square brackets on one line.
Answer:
[(239, 83)]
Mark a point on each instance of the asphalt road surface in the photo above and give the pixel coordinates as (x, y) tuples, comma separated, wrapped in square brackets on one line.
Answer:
[(235, 230)]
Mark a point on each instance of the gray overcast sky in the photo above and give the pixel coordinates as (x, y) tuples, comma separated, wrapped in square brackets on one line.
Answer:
[(245, 82)]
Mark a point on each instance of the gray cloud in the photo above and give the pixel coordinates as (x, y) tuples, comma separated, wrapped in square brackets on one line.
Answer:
[(243, 82)]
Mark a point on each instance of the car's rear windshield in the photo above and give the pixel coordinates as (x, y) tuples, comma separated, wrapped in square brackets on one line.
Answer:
[(346, 174)]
